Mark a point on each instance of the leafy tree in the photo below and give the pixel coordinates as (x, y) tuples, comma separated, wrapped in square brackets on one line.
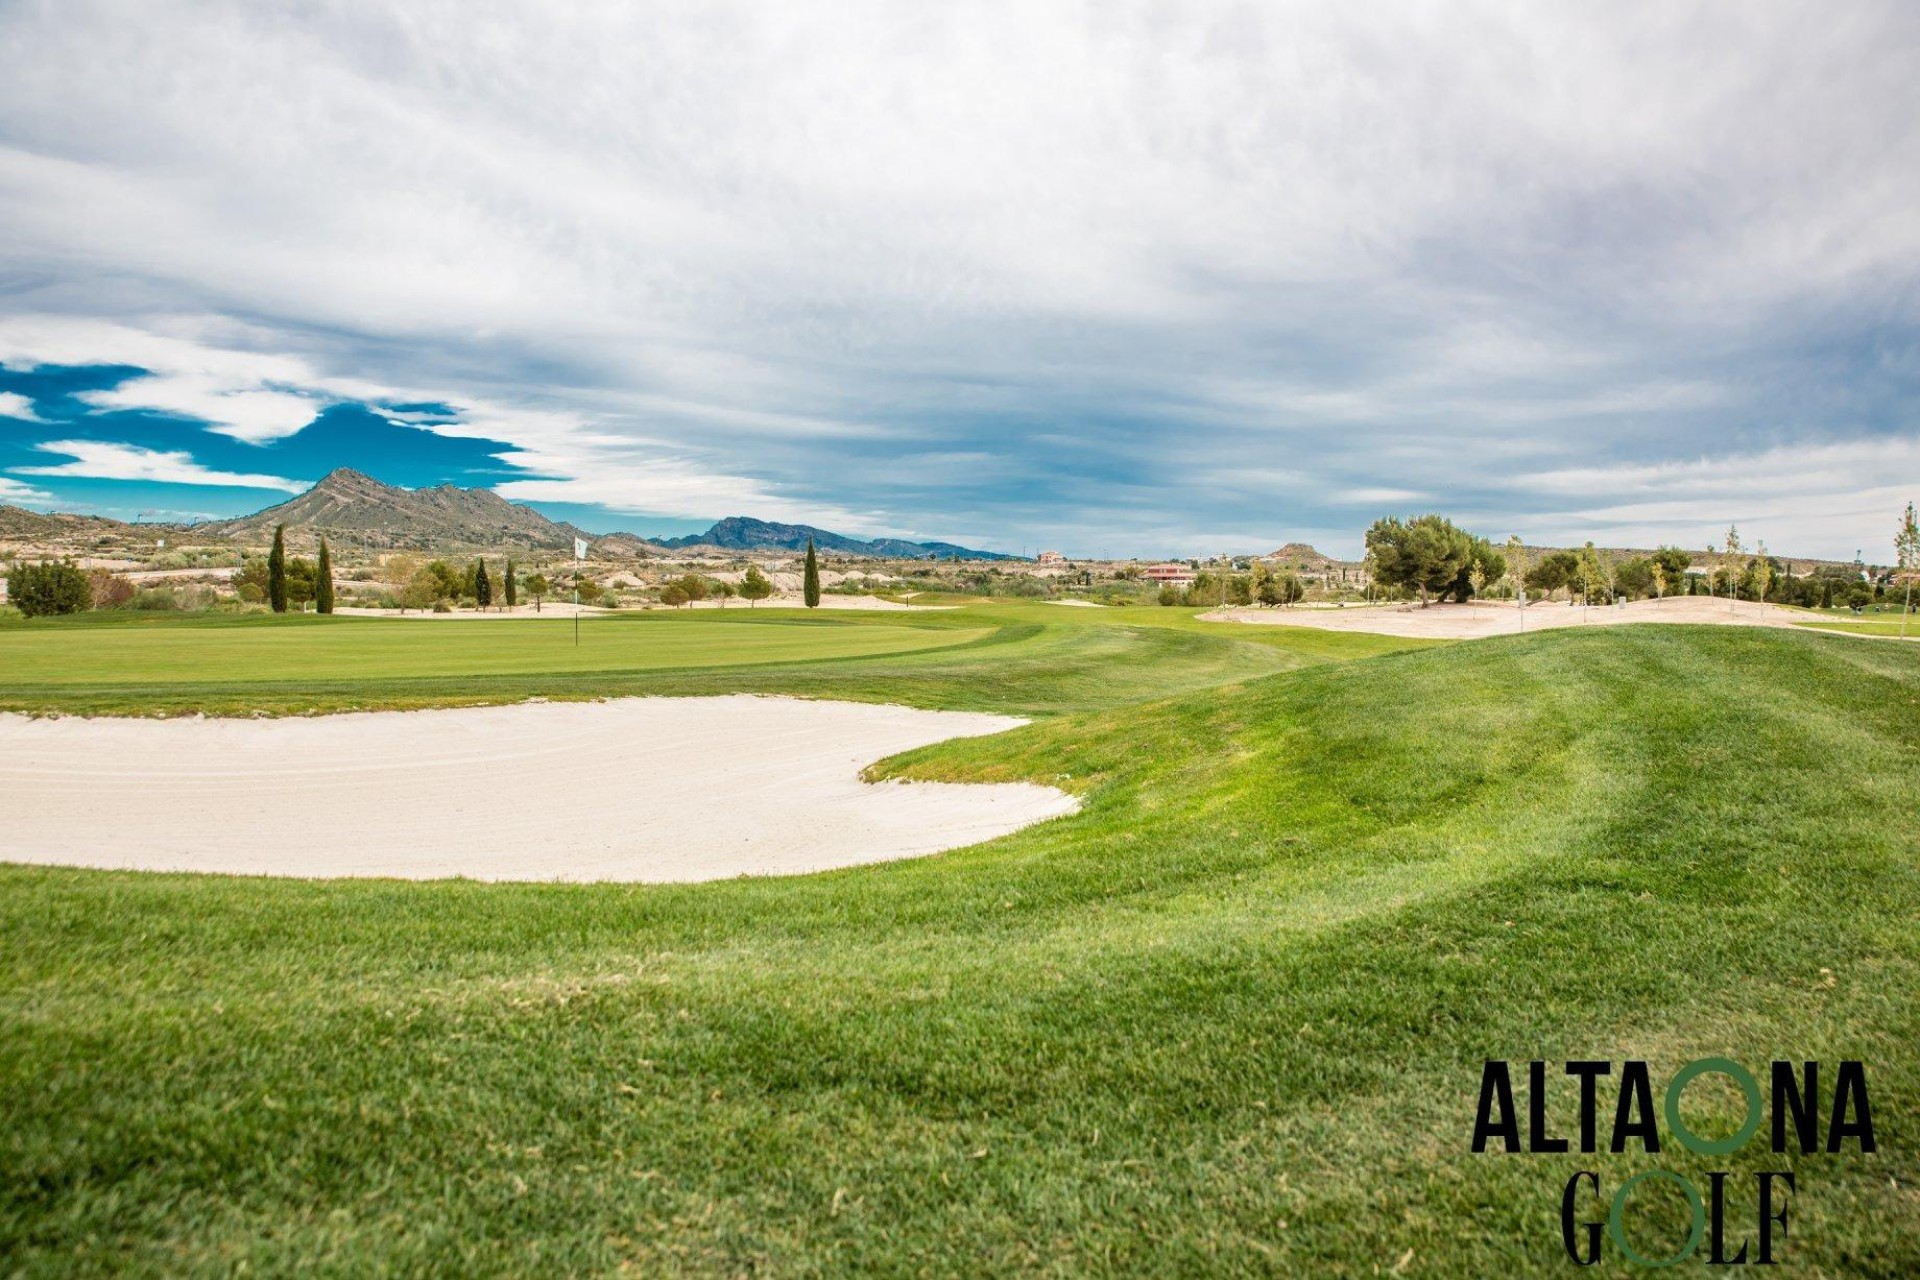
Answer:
[(1760, 574), (482, 584), (1168, 595), (1259, 582), (277, 570), (512, 592), (1426, 554), (323, 580), (1673, 563), (723, 592), (1906, 556), (695, 586), (537, 587), (1517, 563), (1637, 577), (1560, 569), (251, 582), (300, 582), (450, 583), (421, 590), (48, 588), (755, 586), (1592, 575), (810, 587), (673, 595)]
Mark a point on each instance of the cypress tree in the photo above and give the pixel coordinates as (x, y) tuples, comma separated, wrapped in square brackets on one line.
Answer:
[(323, 580), (482, 589), (512, 594), (277, 570), (811, 585)]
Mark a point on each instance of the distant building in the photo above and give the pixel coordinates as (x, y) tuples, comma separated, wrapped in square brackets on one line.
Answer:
[(1052, 557), (1169, 575)]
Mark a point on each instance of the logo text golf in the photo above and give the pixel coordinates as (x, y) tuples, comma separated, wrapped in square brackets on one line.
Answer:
[(1798, 1116)]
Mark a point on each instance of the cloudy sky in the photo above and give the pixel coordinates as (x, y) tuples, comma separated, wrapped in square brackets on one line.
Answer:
[(1108, 277)]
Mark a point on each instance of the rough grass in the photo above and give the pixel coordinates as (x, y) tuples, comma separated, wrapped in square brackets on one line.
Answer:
[(1228, 1019)]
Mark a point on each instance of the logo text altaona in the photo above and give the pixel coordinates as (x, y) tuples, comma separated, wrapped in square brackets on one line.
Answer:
[(1617, 1109)]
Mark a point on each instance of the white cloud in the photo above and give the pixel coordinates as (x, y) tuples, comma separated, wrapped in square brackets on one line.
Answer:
[(748, 253), (101, 460), (23, 494), (14, 405)]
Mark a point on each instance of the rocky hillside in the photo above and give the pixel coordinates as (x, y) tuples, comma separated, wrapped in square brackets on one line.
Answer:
[(353, 508)]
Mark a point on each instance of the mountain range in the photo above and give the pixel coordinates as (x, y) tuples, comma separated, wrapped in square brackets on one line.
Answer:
[(355, 509), (743, 533)]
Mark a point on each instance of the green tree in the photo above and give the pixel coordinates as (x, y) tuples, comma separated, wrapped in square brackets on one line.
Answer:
[(1517, 564), (1427, 554), (1673, 563), (1760, 574), (277, 570), (755, 586), (512, 590), (482, 584), (300, 582), (537, 587), (1556, 570), (48, 588), (810, 588), (1906, 557), (421, 590), (723, 592), (323, 580), (1637, 577), (674, 595)]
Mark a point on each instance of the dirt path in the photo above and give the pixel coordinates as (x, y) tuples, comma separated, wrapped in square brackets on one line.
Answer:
[(1498, 618)]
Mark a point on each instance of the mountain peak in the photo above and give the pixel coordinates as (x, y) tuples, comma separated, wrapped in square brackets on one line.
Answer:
[(352, 507)]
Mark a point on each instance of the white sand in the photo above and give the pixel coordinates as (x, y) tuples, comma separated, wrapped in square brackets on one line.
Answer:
[(1496, 618), (638, 789)]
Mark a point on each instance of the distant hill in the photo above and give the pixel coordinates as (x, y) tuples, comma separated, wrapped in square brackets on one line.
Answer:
[(743, 533), (350, 507), (1301, 555)]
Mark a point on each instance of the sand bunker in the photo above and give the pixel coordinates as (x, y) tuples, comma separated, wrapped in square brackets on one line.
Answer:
[(638, 789), (1493, 618)]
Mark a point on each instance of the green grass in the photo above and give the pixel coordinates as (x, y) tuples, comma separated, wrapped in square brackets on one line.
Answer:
[(1868, 625), (1228, 1019), (1020, 657)]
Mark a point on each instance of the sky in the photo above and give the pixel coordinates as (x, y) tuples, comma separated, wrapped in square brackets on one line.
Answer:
[(1109, 278)]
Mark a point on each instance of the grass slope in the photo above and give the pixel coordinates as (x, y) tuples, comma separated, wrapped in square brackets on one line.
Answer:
[(1031, 658), (1230, 1018)]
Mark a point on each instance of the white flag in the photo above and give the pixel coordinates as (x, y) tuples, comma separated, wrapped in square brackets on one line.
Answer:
[(579, 549)]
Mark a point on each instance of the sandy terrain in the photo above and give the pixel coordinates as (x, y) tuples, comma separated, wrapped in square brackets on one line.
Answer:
[(1499, 618), (637, 789)]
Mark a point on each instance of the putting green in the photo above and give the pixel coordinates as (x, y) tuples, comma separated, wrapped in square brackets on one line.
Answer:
[(225, 651)]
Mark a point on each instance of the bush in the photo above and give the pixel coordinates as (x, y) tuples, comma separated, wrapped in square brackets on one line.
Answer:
[(110, 590), (52, 587)]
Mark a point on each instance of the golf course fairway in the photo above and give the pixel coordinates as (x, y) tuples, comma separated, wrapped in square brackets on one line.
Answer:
[(1231, 1017)]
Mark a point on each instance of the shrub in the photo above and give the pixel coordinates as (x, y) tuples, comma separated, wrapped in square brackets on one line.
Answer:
[(52, 587), (109, 590)]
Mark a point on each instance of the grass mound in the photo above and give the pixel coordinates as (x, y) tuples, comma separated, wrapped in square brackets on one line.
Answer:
[(1230, 1017)]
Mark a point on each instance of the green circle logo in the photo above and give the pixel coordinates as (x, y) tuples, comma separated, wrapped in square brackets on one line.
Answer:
[(1616, 1226), (1688, 1138)]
